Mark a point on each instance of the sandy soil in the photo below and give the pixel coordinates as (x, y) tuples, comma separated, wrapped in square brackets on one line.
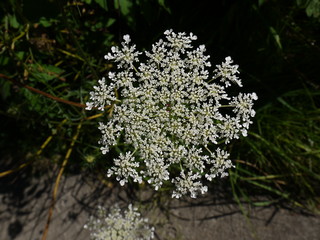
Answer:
[(24, 205)]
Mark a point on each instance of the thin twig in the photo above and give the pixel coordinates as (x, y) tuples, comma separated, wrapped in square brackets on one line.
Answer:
[(56, 186), (43, 93)]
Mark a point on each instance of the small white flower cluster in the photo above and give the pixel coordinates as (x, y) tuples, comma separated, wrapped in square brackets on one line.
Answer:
[(171, 113), (119, 226)]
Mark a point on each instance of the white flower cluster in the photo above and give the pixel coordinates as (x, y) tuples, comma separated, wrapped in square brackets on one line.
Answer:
[(119, 226), (171, 113)]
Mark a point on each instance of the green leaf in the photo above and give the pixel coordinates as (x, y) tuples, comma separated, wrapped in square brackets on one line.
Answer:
[(5, 89), (45, 22), (302, 3), (20, 55), (260, 2), (110, 22), (44, 72), (162, 4), (4, 60), (313, 9), (13, 21), (103, 4), (124, 6), (276, 37)]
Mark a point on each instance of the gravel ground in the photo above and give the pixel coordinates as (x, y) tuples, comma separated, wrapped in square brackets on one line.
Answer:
[(24, 205)]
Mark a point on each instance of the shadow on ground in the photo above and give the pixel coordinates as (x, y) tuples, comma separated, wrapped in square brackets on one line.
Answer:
[(24, 204)]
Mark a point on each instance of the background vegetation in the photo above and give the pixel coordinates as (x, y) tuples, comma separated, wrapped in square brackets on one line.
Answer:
[(51, 54)]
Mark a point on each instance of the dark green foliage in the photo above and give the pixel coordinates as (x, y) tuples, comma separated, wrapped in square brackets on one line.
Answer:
[(57, 47), (282, 155)]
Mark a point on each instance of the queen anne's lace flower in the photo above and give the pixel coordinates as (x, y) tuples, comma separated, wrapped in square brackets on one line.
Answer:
[(119, 226), (125, 167), (171, 113)]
